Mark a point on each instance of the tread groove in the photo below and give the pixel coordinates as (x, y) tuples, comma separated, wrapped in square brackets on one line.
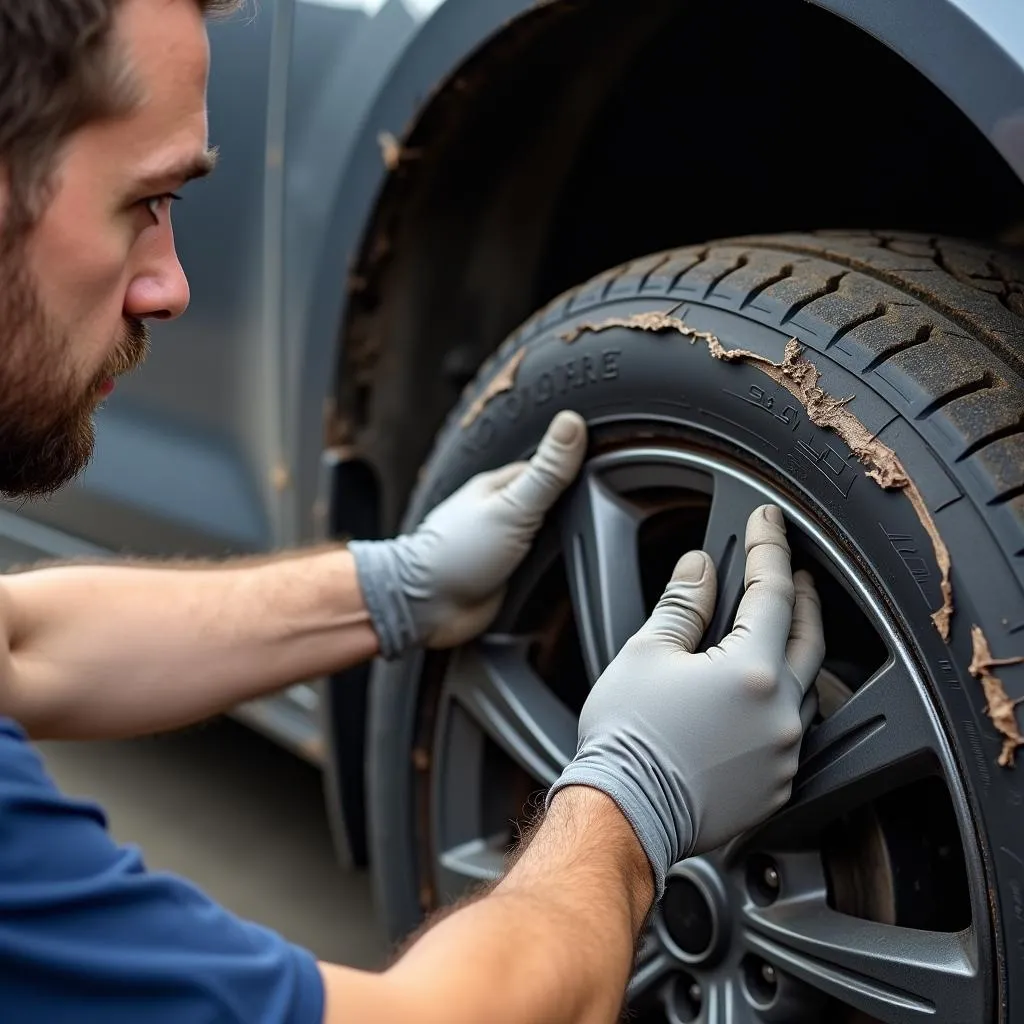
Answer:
[(612, 278), (891, 276), (741, 262), (702, 256), (922, 334), (996, 435), (785, 272), (642, 284), (987, 381), (1008, 495), (880, 310), (830, 286)]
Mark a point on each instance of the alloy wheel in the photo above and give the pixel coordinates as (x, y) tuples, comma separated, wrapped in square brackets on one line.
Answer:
[(862, 900)]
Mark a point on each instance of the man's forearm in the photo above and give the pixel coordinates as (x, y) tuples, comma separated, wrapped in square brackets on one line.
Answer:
[(552, 943), (108, 650)]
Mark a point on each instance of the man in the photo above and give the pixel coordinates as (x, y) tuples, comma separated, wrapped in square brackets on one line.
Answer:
[(103, 116)]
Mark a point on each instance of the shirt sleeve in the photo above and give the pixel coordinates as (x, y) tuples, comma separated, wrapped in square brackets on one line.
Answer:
[(87, 933)]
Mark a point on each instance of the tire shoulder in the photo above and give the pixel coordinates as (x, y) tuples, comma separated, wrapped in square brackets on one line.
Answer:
[(946, 340)]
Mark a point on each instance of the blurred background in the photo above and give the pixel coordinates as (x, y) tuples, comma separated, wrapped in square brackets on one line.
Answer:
[(240, 817)]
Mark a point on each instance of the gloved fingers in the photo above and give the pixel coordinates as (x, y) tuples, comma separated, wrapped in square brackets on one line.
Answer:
[(479, 487), (554, 466), (765, 613), (808, 707), (495, 479), (806, 648), (465, 623), (685, 608)]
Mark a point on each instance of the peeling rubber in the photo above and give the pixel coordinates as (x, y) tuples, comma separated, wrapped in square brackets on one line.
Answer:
[(999, 707), (799, 376), (501, 382), (393, 152)]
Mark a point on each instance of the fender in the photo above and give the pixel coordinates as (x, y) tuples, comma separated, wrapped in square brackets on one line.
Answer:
[(379, 82), (972, 50)]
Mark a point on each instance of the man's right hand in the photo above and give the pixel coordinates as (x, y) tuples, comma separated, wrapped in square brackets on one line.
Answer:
[(691, 748), (696, 748)]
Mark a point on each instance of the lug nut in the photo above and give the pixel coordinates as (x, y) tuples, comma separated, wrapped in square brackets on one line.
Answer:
[(764, 879), (761, 983), (695, 993)]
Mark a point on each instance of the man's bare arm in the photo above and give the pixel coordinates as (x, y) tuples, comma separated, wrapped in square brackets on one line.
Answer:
[(108, 650), (552, 943)]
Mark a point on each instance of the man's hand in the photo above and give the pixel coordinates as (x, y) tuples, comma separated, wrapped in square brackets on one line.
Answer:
[(692, 749), (444, 583), (696, 748)]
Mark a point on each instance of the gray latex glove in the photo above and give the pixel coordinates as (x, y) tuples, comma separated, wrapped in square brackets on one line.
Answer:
[(444, 583), (697, 748)]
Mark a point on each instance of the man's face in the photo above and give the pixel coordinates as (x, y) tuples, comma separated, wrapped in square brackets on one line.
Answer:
[(76, 291)]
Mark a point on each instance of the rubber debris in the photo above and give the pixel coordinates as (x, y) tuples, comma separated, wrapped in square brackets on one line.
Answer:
[(393, 152), (500, 383), (280, 477), (999, 707), (799, 376)]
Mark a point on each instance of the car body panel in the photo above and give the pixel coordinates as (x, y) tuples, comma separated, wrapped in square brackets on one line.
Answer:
[(216, 446)]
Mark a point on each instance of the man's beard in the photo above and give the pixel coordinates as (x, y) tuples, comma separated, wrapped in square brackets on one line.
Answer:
[(46, 427)]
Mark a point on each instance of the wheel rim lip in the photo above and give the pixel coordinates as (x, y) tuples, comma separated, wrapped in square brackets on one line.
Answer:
[(852, 578)]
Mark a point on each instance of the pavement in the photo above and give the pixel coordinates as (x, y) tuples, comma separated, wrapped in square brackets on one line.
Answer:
[(240, 817)]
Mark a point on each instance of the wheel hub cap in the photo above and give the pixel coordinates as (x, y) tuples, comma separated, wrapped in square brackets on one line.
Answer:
[(694, 913)]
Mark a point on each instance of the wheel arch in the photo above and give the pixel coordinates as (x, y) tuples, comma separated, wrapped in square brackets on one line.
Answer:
[(383, 79), (416, 64)]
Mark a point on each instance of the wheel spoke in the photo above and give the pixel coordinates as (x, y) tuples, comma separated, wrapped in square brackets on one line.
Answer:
[(600, 541), (724, 1004), (500, 691), (731, 504), (882, 738), (892, 974), (470, 864), (653, 969)]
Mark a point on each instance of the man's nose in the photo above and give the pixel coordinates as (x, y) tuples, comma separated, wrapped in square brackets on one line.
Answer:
[(159, 289)]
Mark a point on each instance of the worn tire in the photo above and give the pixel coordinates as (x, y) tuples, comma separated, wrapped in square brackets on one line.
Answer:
[(928, 336)]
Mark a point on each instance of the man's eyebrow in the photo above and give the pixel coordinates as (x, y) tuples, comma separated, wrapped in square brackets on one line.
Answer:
[(174, 175)]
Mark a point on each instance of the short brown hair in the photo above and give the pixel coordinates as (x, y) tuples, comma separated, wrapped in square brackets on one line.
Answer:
[(59, 70)]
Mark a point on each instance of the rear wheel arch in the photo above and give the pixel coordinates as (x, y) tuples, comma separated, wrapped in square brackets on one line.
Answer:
[(428, 267)]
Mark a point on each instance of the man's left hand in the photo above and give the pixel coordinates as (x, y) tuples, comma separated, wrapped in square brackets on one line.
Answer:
[(444, 583)]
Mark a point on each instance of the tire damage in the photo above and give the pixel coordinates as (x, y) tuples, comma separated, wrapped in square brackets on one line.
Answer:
[(500, 383), (393, 152), (999, 707), (799, 376)]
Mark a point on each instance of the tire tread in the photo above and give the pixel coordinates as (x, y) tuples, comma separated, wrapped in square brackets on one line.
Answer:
[(947, 315)]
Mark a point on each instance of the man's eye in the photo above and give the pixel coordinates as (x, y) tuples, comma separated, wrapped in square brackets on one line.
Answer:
[(156, 203)]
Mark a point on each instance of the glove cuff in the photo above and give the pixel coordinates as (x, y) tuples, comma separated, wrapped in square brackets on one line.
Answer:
[(635, 806), (380, 579)]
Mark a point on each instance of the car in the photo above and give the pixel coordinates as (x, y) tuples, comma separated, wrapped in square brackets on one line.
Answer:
[(812, 213)]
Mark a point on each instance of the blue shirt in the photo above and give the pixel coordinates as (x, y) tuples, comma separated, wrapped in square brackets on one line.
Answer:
[(88, 934)]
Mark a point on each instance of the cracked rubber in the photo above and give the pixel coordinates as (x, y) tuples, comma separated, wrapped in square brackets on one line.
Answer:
[(927, 336)]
